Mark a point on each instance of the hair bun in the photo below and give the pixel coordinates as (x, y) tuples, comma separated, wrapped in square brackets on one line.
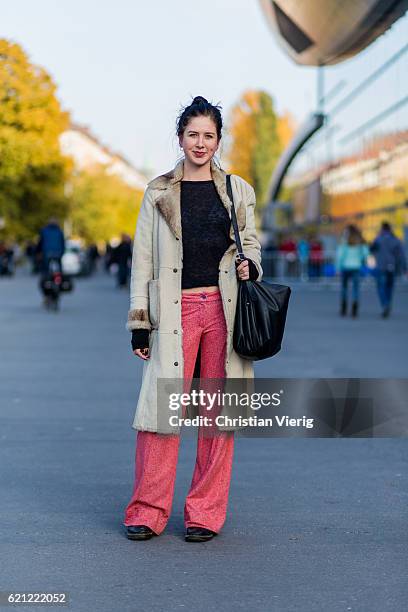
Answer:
[(199, 99)]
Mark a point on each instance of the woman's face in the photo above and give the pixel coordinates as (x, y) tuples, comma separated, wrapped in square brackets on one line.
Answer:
[(199, 141)]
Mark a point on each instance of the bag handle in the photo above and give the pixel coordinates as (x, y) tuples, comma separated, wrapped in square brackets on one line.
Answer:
[(234, 219)]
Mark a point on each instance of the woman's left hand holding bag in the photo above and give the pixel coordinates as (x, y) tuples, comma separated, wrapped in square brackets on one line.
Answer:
[(246, 269)]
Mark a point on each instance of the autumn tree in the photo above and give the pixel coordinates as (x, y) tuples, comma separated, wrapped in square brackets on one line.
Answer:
[(257, 138), (32, 168), (102, 205), (286, 128)]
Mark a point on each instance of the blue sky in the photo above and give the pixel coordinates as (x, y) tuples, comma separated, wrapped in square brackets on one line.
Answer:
[(124, 68)]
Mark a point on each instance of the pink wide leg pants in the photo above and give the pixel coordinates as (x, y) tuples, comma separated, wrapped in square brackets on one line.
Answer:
[(156, 458)]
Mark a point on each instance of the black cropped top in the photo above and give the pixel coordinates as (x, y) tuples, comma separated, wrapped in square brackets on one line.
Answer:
[(205, 225)]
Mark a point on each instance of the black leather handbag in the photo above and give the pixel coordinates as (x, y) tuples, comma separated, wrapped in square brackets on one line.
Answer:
[(261, 309)]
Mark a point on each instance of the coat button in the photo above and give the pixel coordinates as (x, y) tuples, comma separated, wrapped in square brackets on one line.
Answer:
[(174, 269), (229, 299), (177, 238), (175, 331), (226, 271), (176, 363), (176, 301)]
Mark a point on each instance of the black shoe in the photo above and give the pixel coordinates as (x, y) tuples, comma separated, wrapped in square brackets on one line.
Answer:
[(343, 309), (198, 534), (139, 532), (386, 312), (354, 309)]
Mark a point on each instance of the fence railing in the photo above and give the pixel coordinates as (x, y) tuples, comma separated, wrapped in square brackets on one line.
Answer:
[(288, 266)]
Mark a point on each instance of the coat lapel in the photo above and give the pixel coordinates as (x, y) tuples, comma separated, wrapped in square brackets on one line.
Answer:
[(168, 202)]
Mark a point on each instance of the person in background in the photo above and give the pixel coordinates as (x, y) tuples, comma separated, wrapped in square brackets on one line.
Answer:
[(93, 256), (6, 259), (390, 262), (122, 256), (51, 244), (303, 250), (315, 257), (350, 258), (108, 257), (30, 253), (288, 248)]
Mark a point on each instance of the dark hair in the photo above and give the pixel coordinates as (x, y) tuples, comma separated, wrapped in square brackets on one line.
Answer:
[(199, 106), (386, 227), (354, 235)]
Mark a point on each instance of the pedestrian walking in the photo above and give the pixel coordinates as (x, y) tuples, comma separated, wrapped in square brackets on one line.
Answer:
[(288, 249), (122, 256), (31, 253), (316, 256), (7, 258), (184, 285), (390, 262), (107, 261), (92, 257), (303, 250), (351, 257)]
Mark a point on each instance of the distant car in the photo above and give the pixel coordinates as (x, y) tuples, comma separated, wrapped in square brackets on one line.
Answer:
[(72, 259)]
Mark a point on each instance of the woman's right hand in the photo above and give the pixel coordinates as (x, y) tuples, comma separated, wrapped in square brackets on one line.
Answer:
[(140, 343), (142, 353)]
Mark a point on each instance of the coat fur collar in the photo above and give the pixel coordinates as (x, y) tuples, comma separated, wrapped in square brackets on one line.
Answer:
[(168, 202)]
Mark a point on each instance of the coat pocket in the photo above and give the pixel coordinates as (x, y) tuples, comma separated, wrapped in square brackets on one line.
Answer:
[(154, 303)]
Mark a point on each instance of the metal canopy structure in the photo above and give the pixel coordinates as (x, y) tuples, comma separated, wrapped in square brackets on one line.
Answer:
[(325, 32)]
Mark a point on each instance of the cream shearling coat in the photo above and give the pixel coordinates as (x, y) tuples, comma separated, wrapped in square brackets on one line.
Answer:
[(155, 287)]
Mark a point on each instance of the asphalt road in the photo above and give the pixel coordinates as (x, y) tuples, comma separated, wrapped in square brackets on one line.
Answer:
[(313, 524)]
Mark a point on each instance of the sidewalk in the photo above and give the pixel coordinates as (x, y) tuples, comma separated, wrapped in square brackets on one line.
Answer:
[(314, 525)]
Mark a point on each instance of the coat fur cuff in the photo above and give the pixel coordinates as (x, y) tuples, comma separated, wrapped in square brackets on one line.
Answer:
[(138, 319)]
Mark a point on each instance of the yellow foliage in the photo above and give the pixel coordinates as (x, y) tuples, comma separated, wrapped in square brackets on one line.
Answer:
[(32, 169), (243, 133), (286, 128), (256, 143), (102, 206)]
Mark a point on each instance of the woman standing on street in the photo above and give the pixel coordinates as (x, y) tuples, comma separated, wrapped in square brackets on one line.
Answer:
[(183, 294)]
